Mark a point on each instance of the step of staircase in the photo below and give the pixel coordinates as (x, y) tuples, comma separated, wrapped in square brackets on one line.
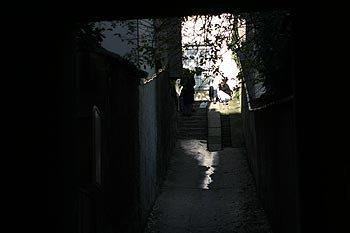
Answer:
[(195, 126)]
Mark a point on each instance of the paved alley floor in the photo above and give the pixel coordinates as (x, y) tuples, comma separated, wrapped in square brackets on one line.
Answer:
[(207, 192)]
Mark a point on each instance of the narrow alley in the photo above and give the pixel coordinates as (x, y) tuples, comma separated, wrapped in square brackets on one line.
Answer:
[(122, 160), (207, 191)]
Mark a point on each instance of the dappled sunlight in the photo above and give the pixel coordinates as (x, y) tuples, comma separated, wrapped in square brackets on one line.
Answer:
[(205, 42), (205, 158), (234, 106), (210, 161)]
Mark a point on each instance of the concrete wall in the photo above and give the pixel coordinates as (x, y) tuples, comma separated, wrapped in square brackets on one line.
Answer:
[(148, 139), (157, 112), (110, 84), (136, 140), (271, 150), (157, 130), (137, 136)]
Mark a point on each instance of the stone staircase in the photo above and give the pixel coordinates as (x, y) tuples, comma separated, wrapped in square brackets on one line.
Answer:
[(195, 126), (220, 125)]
